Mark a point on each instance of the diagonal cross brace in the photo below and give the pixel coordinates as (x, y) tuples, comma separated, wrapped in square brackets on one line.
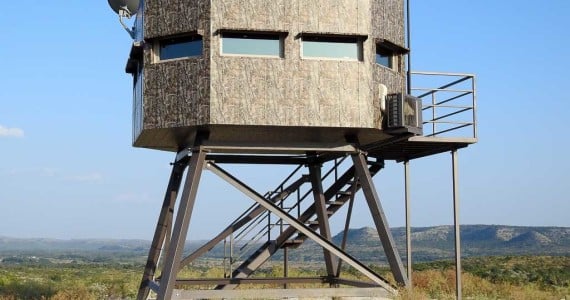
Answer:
[(241, 222), (301, 227)]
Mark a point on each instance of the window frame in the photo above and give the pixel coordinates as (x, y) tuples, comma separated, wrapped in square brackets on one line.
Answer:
[(387, 53), (393, 52), (157, 47), (255, 35), (357, 40)]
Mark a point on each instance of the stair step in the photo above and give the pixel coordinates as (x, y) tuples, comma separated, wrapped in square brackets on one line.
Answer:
[(338, 203), (344, 193), (312, 222), (294, 243)]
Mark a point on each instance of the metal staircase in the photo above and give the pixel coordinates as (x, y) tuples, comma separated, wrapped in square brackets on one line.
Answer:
[(337, 195)]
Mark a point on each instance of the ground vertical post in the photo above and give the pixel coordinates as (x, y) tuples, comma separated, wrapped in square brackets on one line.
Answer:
[(408, 222), (456, 225), (285, 265), (180, 231)]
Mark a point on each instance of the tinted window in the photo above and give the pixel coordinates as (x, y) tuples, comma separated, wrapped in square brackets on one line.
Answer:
[(329, 47), (180, 47), (384, 57), (252, 44)]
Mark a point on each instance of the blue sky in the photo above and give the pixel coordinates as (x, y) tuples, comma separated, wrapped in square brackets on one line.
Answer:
[(67, 168)]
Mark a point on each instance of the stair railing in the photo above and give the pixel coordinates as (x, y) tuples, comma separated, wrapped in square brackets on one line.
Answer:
[(264, 222)]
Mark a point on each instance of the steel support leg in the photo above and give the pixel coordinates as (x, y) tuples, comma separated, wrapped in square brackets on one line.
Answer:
[(180, 231), (456, 224), (379, 219), (331, 261), (162, 229), (408, 222)]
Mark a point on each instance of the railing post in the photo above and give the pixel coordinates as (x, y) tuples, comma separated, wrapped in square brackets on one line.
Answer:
[(281, 220), (231, 254), (298, 203), (474, 87), (225, 258), (268, 226), (433, 103)]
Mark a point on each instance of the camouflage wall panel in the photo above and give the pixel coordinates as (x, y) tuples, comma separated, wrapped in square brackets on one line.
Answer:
[(176, 92), (387, 17), (292, 91), (174, 17)]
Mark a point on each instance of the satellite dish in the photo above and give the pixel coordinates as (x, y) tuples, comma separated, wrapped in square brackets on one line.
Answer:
[(125, 9), (130, 7)]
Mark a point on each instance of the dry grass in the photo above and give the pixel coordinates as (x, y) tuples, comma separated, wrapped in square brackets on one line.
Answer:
[(436, 284), (104, 282)]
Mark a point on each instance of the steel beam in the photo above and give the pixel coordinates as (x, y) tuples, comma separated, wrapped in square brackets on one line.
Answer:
[(408, 222), (268, 293), (269, 148), (162, 229), (456, 224), (257, 159), (380, 220), (274, 280), (362, 268), (239, 281), (180, 231), (331, 261)]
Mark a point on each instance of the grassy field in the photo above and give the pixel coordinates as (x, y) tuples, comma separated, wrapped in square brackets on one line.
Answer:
[(483, 278)]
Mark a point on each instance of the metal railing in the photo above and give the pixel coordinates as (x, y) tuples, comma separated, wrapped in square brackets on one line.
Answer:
[(449, 103)]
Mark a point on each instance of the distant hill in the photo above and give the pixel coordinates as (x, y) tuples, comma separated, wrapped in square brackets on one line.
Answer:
[(31, 245), (437, 243), (429, 243)]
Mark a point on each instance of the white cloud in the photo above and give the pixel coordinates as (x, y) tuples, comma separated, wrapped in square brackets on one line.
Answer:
[(89, 178), (133, 197), (55, 174), (41, 172), (11, 132)]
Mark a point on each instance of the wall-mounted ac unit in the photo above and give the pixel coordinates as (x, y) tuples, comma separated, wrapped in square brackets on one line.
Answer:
[(404, 114)]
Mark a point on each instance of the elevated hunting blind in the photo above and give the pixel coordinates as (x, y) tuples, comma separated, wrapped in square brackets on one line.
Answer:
[(287, 72), (285, 82)]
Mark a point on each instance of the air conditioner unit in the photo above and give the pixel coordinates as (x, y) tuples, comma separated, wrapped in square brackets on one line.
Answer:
[(404, 114)]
